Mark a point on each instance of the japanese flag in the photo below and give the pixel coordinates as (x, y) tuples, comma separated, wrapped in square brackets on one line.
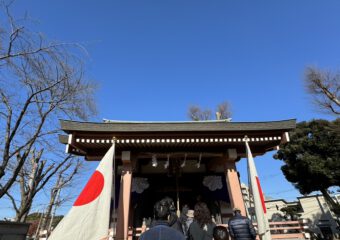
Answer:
[(89, 217), (259, 204)]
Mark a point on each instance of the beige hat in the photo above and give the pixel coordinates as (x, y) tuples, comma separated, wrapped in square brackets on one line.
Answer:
[(190, 213), (236, 209)]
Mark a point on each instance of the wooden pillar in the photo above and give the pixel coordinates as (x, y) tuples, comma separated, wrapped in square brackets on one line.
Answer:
[(131, 216), (124, 197), (233, 182)]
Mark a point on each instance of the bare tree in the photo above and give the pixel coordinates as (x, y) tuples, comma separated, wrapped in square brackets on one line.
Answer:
[(324, 86), (40, 81), (34, 175), (64, 179), (224, 110), (196, 113)]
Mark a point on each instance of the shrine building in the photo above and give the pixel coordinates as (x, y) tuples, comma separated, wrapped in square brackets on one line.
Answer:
[(186, 161)]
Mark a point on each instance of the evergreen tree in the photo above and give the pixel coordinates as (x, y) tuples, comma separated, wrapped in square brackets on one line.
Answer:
[(311, 158)]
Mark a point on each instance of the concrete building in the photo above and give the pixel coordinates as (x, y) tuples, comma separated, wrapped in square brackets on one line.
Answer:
[(314, 208), (321, 220)]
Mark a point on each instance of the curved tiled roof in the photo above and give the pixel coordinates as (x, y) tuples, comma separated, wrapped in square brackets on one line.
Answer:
[(190, 126)]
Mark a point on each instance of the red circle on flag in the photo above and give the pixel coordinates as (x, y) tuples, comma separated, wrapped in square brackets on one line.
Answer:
[(92, 189)]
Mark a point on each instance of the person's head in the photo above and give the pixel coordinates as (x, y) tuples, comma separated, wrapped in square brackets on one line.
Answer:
[(161, 210), (185, 209), (190, 213), (170, 202), (220, 233), (236, 211), (199, 198), (184, 212), (202, 214)]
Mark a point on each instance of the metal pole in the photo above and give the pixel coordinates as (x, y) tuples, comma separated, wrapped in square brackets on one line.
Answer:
[(38, 228), (54, 211), (114, 222)]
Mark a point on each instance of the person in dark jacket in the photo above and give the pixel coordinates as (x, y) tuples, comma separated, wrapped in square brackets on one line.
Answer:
[(202, 227), (173, 220), (161, 229), (240, 227), (183, 219)]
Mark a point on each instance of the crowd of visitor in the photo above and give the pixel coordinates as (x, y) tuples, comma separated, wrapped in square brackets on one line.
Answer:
[(196, 224)]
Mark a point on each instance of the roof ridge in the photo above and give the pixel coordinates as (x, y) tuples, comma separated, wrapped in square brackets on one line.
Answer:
[(177, 122), (204, 121)]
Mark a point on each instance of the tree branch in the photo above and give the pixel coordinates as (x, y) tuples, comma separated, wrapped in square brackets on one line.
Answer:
[(48, 176), (13, 202), (7, 135)]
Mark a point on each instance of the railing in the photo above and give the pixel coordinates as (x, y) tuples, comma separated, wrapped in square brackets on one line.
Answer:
[(279, 230), (137, 231), (289, 230)]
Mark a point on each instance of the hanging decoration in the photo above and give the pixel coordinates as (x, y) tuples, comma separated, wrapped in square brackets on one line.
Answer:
[(213, 182), (167, 163), (184, 161), (154, 162), (139, 184), (198, 164)]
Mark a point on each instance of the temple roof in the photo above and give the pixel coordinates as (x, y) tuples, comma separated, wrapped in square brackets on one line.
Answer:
[(189, 126), (92, 140)]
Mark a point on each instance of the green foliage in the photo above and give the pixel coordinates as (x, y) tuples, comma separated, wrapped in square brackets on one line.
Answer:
[(311, 158), (33, 217), (292, 211)]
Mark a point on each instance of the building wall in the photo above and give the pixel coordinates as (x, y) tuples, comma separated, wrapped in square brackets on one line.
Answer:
[(274, 206), (314, 208), (248, 201), (317, 211)]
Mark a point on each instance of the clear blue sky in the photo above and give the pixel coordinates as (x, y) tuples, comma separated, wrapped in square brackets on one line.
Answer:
[(153, 59)]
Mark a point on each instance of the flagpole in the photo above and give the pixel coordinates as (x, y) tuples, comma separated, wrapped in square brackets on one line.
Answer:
[(113, 194), (259, 205)]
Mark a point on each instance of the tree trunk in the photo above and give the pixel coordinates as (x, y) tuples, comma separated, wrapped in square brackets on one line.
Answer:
[(47, 215), (54, 193), (333, 205), (22, 214)]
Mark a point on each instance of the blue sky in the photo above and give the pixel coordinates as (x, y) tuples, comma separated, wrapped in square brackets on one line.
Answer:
[(153, 59)]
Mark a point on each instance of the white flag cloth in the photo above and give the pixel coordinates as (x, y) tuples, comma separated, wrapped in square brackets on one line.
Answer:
[(259, 205), (89, 216)]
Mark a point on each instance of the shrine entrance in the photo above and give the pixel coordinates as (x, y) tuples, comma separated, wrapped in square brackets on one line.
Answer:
[(212, 148), (186, 189)]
